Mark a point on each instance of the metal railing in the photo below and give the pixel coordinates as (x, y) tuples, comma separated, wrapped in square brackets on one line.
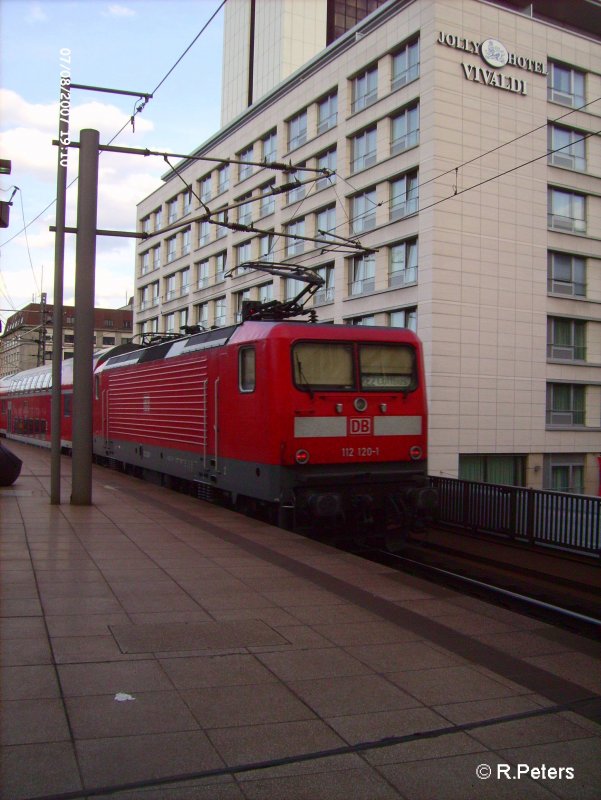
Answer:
[(553, 519)]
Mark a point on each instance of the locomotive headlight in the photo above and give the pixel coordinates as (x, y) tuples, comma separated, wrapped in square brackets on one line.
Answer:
[(415, 452), (302, 457), (360, 403)]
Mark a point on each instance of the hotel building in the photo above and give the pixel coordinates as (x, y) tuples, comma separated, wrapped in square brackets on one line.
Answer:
[(464, 136)]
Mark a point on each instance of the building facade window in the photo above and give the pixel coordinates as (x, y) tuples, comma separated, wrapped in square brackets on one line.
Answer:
[(566, 211), (243, 253), (362, 277), (245, 214), (565, 85), (566, 274), (270, 147), (299, 190), (266, 245), (292, 288), (206, 188), (403, 318), (297, 130), (186, 240), (507, 470), (185, 281), (171, 249), (565, 404), (145, 263), (203, 273), (564, 472), (187, 202), (363, 149), (325, 221), (171, 211), (202, 315), (169, 323), (366, 319), (405, 65), (325, 294), (204, 228), (403, 263), (266, 292), (404, 130), (221, 230), (170, 290), (219, 312), (363, 211), (328, 161), (220, 266), (245, 170), (327, 112), (404, 196), (364, 89), (267, 201), (158, 219), (156, 257), (566, 339), (566, 148), (223, 178), (295, 246), (146, 224), (240, 298)]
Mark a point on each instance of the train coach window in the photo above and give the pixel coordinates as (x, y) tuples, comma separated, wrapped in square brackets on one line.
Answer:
[(67, 405), (388, 367), (323, 365), (247, 369)]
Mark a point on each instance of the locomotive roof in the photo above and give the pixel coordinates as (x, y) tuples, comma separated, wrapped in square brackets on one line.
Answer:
[(253, 330)]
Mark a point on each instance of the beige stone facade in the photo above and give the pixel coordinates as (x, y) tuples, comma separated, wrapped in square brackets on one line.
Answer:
[(486, 243)]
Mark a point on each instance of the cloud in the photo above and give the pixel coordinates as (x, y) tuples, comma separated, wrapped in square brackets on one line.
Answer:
[(29, 129), (35, 14), (115, 10), (124, 180)]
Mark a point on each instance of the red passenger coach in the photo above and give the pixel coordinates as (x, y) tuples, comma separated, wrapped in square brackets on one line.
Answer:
[(315, 422)]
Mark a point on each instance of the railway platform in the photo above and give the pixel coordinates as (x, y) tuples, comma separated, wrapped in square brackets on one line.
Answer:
[(155, 646)]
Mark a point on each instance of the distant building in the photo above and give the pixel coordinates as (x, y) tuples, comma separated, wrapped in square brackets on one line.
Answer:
[(27, 338), (464, 138), (265, 41)]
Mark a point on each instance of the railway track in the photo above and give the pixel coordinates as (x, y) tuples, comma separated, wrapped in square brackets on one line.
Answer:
[(560, 587)]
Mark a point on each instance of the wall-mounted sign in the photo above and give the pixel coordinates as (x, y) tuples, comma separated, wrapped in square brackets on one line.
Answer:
[(495, 55)]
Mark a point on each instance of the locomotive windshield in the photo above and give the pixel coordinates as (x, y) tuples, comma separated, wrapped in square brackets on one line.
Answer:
[(323, 365), (388, 367), (338, 366)]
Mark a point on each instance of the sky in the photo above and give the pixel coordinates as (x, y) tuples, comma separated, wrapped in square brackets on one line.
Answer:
[(128, 45)]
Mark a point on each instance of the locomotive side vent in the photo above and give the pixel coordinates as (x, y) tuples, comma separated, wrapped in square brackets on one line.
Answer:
[(204, 491)]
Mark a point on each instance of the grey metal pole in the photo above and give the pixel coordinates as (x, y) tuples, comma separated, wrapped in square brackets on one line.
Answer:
[(57, 310), (85, 267)]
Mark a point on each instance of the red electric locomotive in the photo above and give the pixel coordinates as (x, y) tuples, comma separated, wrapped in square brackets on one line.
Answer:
[(322, 425)]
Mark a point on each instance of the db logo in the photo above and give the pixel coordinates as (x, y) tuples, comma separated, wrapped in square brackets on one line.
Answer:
[(360, 425)]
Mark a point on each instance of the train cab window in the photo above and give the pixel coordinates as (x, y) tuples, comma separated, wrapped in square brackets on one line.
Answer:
[(323, 365), (387, 367), (247, 369)]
